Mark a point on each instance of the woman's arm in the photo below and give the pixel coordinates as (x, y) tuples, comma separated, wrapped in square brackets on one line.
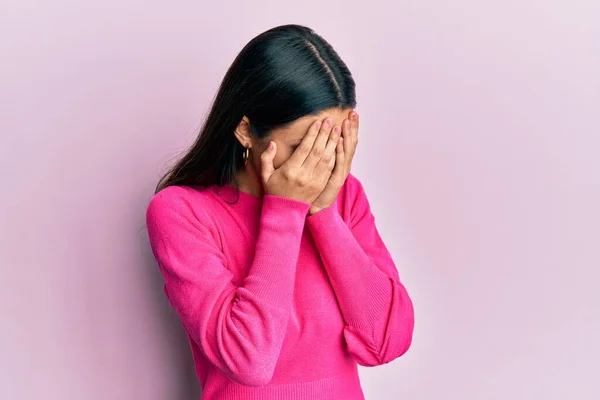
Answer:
[(375, 305), (240, 329)]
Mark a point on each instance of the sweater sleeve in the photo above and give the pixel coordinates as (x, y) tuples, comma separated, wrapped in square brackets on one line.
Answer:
[(375, 305), (240, 329)]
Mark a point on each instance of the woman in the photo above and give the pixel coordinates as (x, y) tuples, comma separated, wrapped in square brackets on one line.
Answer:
[(267, 244)]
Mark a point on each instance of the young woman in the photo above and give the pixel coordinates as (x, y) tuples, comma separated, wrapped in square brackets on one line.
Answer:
[(267, 244)]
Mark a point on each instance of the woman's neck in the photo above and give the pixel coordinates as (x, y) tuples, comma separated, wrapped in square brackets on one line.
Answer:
[(249, 181)]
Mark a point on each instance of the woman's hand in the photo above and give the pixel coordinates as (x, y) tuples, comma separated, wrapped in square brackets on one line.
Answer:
[(306, 173), (345, 150)]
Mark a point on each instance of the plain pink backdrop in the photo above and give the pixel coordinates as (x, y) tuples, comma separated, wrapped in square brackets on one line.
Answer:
[(480, 141)]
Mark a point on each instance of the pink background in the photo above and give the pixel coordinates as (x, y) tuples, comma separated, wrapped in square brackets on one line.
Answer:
[(480, 143)]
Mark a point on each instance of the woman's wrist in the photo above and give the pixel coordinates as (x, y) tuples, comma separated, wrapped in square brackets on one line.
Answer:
[(314, 210), (317, 209)]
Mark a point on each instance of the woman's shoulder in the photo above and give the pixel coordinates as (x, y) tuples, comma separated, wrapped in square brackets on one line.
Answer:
[(173, 195), (179, 200), (348, 196), (353, 183), (352, 188)]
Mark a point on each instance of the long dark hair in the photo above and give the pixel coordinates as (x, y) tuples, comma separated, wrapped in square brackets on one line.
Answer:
[(281, 75)]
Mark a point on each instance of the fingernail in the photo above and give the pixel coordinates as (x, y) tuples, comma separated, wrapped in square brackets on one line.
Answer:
[(318, 124), (336, 130), (270, 145), (327, 123), (354, 116)]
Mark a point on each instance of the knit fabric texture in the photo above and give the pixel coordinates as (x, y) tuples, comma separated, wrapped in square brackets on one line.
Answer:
[(277, 303)]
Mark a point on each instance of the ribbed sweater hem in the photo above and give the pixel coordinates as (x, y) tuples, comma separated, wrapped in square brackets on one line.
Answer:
[(345, 386)]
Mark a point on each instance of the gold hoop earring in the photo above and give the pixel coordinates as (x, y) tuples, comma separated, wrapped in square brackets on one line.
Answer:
[(245, 156)]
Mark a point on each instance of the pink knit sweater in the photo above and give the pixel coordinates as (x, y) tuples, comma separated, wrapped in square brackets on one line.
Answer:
[(279, 304)]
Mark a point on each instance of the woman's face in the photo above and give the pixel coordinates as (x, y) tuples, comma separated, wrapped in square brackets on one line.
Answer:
[(287, 139)]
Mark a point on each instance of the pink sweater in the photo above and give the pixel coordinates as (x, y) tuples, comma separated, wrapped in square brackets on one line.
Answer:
[(279, 304)]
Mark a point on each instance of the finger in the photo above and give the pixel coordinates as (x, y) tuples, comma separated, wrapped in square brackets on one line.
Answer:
[(339, 171), (354, 127), (297, 158), (266, 160), (327, 161), (354, 134), (318, 149), (347, 135)]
